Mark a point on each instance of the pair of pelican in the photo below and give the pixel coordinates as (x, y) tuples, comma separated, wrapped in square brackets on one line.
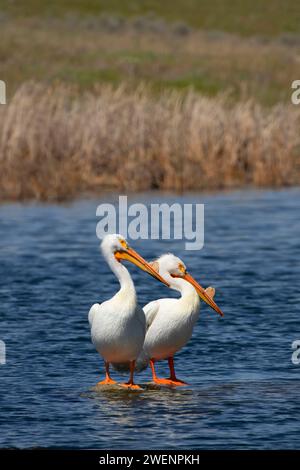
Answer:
[(126, 335)]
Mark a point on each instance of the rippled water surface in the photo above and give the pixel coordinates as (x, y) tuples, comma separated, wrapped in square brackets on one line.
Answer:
[(244, 391)]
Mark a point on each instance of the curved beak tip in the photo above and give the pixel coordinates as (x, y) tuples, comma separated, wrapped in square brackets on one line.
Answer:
[(203, 294)]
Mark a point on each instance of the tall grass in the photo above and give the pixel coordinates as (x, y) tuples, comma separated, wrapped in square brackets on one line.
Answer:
[(56, 143)]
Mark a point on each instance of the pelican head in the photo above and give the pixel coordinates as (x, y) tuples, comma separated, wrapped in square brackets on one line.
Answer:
[(170, 264), (116, 245)]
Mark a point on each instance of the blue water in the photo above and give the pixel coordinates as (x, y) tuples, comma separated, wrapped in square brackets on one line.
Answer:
[(244, 390)]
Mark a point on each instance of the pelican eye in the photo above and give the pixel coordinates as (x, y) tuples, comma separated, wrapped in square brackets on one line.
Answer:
[(124, 244), (182, 268)]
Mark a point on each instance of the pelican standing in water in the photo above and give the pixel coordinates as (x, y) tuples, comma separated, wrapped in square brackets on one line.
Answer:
[(118, 326), (170, 321)]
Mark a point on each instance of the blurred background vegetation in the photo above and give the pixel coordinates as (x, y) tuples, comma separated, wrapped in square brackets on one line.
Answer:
[(136, 95), (246, 48)]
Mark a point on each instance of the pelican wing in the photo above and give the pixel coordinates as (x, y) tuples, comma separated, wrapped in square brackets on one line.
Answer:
[(150, 310), (94, 308)]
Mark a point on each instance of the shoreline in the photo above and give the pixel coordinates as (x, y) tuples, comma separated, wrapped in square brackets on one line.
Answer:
[(154, 193)]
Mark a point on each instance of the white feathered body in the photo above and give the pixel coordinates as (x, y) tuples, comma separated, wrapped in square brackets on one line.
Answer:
[(170, 324), (118, 327)]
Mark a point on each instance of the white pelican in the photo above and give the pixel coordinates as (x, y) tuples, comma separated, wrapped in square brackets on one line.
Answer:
[(118, 326), (170, 322)]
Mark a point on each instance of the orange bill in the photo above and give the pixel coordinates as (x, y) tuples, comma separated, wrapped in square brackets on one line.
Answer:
[(202, 294), (131, 255)]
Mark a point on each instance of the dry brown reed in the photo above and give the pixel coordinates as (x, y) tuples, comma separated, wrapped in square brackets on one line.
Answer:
[(56, 143)]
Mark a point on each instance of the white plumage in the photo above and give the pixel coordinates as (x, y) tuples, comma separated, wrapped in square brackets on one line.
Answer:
[(169, 321), (118, 325)]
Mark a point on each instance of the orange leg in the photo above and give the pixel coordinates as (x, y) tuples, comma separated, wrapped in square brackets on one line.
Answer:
[(173, 379), (154, 376), (130, 384), (108, 380)]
